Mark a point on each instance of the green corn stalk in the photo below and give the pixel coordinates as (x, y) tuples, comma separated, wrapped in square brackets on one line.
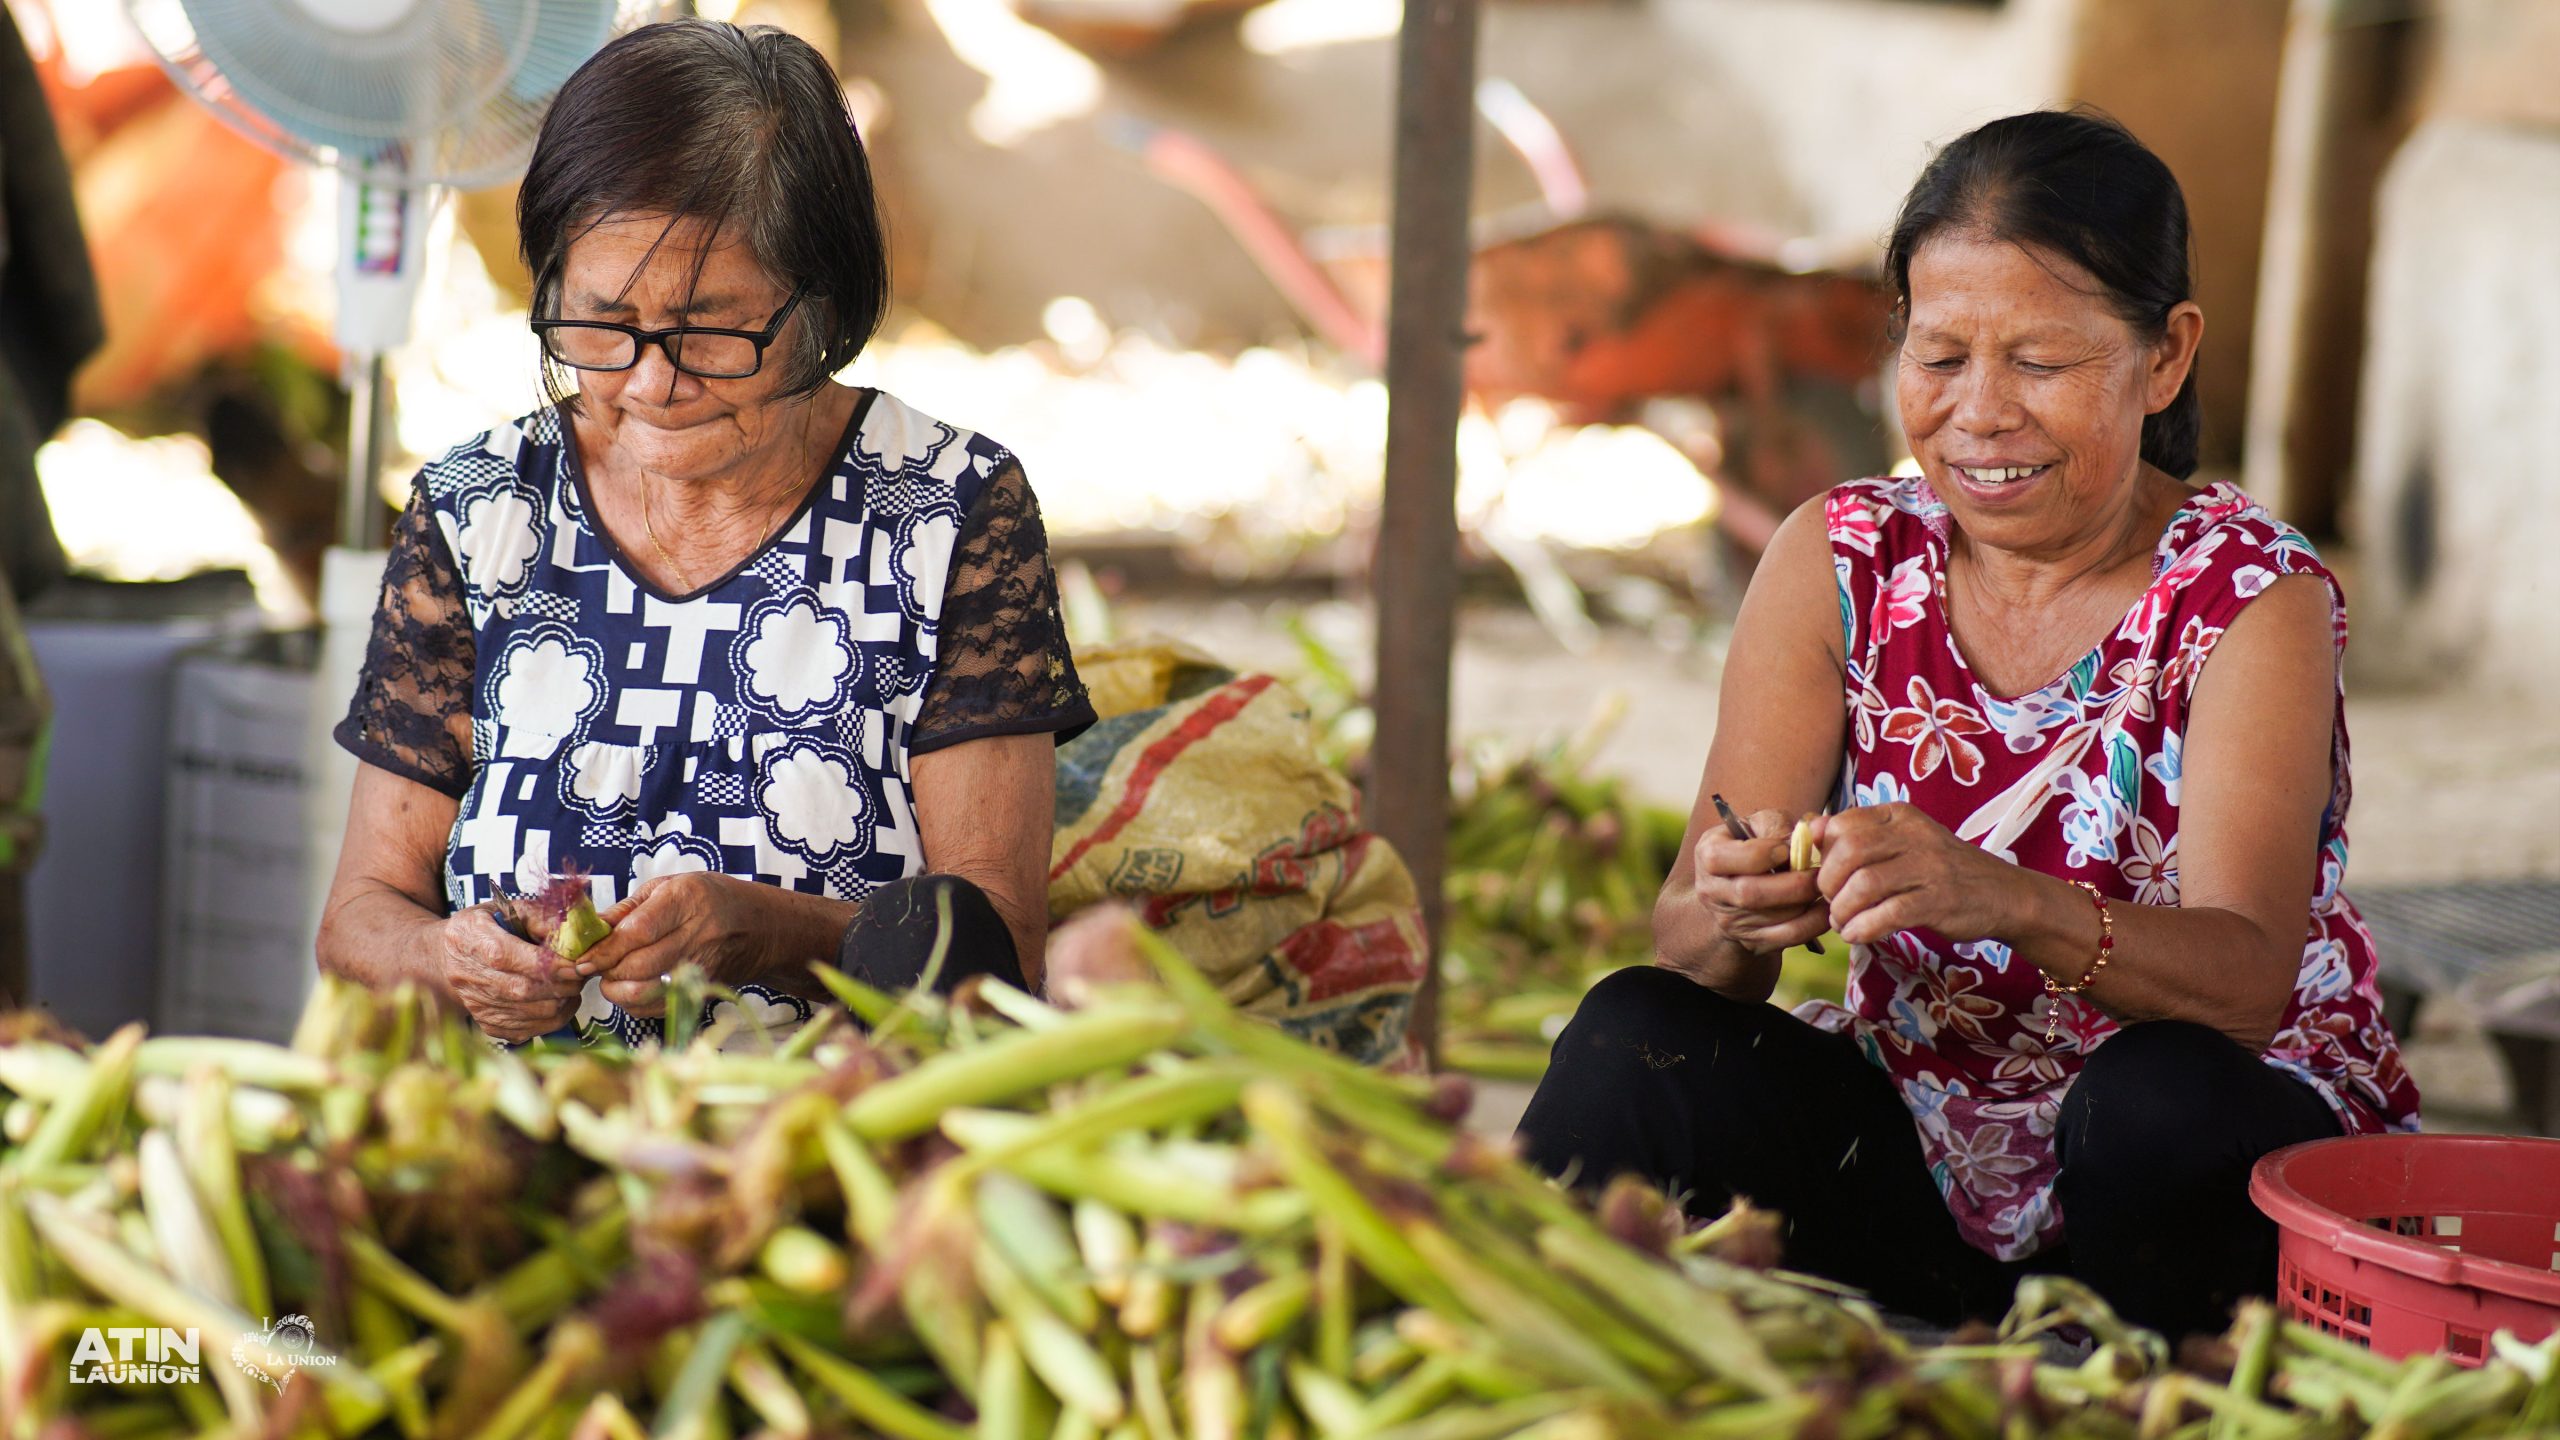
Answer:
[(543, 1285), (379, 1328), (246, 1062), (205, 1146), (932, 1248), (687, 991), (41, 1071), (1063, 1359), (804, 1041), (1263, 1313), (871, 1200), (398, 1377), (1488, 1245), (1487, 1422), (761, 1167), (1484, 1368), (1108, 1244), (1004, 1387), (607, 1418), (1022, 1009), (345, 1111), (86, 1108), (1418, 1391), (758, 1381), (1281, 1119), (2540, 1364), (1381, 1353), (1009, 1066), (869, 1005), (21, 1282), (1135, 1178), (1150, 1102), (689, 1410), (2257, 1329), (575, 1349), (871, 1403), (1027, 1229), (2451, 1403), (184, 1238), (489, 1353), (1335, 1302), (1330, 1405), (1154, 1402), (332, 1014), (1213, 1395), (203, 1413), (1148, 1307), (1693, 1319), (517, 1095)]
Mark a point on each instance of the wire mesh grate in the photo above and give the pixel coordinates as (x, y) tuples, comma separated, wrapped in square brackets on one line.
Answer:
[(2442, 935)]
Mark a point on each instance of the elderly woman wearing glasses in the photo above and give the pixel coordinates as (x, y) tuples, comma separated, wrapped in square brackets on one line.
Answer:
[(775, 660)]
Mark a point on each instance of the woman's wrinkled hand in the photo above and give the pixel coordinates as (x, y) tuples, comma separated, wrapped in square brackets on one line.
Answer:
[(719, 922), (1745, 886), (1887, 868), (513, 989)]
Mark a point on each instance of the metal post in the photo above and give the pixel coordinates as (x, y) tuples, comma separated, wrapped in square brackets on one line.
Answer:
[(1413, 577), (369, 411)]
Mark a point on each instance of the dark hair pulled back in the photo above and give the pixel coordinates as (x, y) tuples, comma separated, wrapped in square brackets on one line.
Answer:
[(2076, 184)]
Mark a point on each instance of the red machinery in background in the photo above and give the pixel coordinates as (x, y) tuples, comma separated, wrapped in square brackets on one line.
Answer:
[(1602, 315)]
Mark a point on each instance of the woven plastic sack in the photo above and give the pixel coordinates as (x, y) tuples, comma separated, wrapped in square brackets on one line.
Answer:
[(1199, 800)]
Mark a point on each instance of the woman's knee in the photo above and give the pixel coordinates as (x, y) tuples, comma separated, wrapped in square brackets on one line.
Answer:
[(1645, 1017), (902, 925), (2150, 1095)]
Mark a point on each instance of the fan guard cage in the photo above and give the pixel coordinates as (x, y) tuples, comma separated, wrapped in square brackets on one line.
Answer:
[(394, 92)]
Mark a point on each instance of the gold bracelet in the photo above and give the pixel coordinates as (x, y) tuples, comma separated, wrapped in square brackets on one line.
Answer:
[(2106, 950)]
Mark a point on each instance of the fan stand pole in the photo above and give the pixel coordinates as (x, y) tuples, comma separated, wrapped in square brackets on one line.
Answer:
[(368, 429), (382, 232)]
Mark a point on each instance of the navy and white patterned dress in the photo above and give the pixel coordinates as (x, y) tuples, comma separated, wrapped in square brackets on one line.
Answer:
[(761, 727)]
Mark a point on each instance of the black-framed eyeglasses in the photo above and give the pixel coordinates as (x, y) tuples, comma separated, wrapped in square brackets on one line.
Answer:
[(705, 351)]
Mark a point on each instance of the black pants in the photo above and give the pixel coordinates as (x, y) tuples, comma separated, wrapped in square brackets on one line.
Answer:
[(891, 940), (1711, 1098)]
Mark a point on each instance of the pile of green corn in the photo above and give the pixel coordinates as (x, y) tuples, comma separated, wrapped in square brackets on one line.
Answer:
[(1553, 867), (1553, 870), (1142, 1219)]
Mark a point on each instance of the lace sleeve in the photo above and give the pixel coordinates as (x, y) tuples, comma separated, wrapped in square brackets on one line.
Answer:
[(412, 709), (1004, 667)]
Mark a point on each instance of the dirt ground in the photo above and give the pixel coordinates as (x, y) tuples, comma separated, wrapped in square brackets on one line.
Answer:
[(2449, 785)]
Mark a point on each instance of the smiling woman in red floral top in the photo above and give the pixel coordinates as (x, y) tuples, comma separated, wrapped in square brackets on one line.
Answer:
[(2090, 758)]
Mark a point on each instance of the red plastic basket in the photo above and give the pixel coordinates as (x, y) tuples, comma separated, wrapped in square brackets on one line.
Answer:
[(2417, 1243)]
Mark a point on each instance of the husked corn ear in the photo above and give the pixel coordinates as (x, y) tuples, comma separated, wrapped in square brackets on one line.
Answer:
[(189, 1249), (1802, 853)]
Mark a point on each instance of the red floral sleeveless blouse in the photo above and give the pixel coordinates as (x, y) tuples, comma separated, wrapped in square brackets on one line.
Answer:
[(2079, 780)]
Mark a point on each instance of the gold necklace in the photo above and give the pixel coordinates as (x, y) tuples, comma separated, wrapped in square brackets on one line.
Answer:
[(651, 529)]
